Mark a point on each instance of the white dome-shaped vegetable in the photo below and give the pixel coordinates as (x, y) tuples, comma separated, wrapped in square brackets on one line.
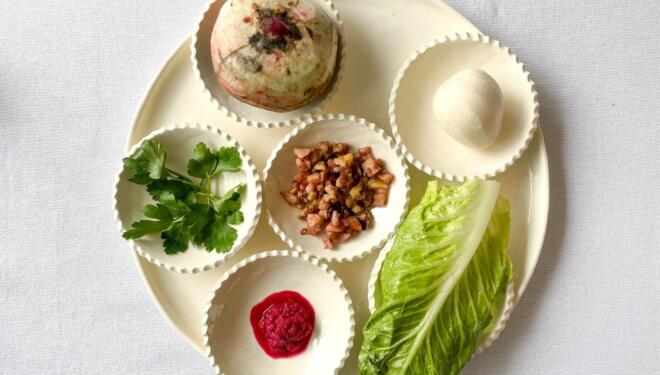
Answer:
[(469, 107)]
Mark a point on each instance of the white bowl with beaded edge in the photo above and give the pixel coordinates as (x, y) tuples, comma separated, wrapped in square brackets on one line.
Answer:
[(179, 141), (411, 110), (281, 169), (228, 338), (243, 113)]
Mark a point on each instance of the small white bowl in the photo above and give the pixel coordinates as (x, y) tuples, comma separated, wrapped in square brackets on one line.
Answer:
[(503, 311), (200, 53), (281, 169), (179, 141), (426, 145), (228, 337)]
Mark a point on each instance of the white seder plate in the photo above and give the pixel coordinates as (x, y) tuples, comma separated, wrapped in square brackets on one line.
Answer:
[(380, 34)]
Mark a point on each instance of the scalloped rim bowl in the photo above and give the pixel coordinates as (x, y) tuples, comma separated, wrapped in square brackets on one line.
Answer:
[(252, 280), (178, 141), (244, 113), (410, 107), (280, 170), (503, 313)]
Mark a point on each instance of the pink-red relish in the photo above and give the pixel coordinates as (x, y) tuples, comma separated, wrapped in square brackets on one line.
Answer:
[(283, 323)]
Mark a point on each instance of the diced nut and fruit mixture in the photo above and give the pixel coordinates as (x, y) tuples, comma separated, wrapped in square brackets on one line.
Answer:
[(335, 189)]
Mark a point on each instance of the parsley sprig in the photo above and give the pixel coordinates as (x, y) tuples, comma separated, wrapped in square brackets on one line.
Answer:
[(186, 210)]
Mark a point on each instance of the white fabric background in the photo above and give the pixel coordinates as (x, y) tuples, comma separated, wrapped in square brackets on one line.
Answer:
[(73, 72)]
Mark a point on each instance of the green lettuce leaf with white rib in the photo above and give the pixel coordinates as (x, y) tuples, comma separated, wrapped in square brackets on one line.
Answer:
[(441, 282)]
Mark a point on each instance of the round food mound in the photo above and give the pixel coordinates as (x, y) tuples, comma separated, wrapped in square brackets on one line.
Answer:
[(283, 323), (274, 54)]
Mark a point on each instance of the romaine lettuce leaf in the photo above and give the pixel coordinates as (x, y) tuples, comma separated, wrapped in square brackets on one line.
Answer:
[(439, 282)]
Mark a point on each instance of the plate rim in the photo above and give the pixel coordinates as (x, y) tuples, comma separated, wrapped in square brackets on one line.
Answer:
[(127, 146)]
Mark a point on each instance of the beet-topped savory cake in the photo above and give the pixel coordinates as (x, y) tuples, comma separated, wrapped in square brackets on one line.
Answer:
[(274, 54)]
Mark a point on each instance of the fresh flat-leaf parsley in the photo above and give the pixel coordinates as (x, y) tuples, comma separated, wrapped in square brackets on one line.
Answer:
[(221, 235), (187, 210), (147, 164), (206, 163)]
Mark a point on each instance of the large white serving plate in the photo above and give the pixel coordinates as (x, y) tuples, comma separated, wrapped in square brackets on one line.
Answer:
[(380, 35)]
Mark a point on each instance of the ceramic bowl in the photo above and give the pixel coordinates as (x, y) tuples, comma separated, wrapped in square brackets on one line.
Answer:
[(505, 306), (281, 169), (179, 141), (245, 113), (411, 110), (228, 337)]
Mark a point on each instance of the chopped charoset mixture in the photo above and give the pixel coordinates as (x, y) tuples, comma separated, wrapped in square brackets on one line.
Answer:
[(335, 189)]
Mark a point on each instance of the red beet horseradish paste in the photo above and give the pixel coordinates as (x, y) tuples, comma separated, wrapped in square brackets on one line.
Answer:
[(283, 323)]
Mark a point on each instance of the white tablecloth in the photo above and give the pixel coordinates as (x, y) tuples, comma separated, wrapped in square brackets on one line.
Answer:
[(73, 72)]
